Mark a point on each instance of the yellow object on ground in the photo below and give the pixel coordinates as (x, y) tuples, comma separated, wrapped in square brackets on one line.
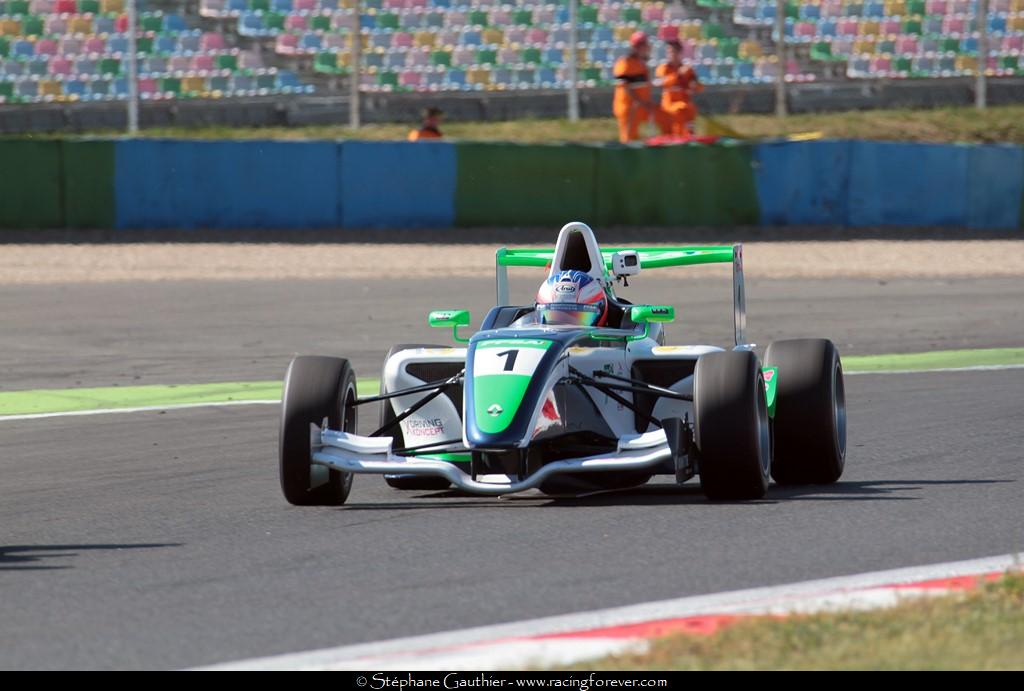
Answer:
[(708, 126)]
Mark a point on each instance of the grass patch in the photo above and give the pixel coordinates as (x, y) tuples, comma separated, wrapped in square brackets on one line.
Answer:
[(965, 124), (40, 401), (938, 359), (980, 630)]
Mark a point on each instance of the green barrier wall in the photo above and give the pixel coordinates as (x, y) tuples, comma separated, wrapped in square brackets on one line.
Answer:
[(719, 186), (524, 185), (675, 185), (88, 182), (512, 184), (30, 189)]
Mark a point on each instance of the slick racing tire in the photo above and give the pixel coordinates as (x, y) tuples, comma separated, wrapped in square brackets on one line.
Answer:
[(387, 414), (317, 391), (810, 411), (733, 437)]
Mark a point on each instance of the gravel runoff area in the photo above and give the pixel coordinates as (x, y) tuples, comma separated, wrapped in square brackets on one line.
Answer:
[(101, 263)]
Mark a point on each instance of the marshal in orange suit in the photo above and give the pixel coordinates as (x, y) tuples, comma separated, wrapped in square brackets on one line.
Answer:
[(431, 127), (678, 85), (633, 102)]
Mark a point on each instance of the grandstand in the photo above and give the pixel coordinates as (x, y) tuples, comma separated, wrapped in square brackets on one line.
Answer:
[(438, 45), (75, 50)]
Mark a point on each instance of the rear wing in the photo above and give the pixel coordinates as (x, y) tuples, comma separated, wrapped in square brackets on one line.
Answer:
[(650, 258)]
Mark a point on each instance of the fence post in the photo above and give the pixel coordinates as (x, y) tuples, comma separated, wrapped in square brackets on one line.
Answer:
[(133, 70), (357, 59), (981, 83), (780, 51), (574, 94)]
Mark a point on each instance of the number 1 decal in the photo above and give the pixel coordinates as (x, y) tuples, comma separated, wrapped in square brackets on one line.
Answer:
[(510, 359)]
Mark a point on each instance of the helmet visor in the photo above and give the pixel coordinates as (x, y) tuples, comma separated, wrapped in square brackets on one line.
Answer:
[(569, 314)]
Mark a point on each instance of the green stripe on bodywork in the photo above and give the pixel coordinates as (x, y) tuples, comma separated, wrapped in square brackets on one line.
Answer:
[(450, 457), (112, 397), (496, 399), (939, 359), (538, 343)]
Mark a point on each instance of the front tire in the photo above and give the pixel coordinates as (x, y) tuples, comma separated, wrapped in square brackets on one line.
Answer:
[(317, 390), (810, 411), (733, 438)]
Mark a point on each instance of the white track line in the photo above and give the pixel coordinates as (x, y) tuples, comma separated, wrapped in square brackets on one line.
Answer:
[(505, 646), (185, 406)]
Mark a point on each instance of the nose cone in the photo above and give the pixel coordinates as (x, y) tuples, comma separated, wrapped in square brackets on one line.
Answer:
[(505, 375)]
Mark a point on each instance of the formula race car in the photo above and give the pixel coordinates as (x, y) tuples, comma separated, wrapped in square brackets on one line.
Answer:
[(533, 402)]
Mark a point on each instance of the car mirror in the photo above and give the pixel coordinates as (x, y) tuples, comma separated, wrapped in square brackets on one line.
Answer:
[(440, 319), (646, 314)]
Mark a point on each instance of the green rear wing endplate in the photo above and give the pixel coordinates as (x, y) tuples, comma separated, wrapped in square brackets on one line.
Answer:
[(650, 258)]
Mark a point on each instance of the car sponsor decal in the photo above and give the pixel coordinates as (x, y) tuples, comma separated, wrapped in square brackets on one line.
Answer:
[(541, 343), (549, 416), (672, 350), (423, 427), (770, 377)]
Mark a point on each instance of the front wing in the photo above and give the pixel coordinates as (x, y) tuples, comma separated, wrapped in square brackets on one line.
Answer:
[(351, 453)]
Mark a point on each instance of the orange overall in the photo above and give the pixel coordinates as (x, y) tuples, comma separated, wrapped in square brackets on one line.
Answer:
[(425, 132), (633, 104), (678, 83)]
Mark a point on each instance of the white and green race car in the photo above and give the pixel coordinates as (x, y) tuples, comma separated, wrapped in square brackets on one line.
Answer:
[(525, 405)]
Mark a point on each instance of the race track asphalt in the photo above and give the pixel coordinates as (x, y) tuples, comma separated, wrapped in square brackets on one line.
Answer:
[(161, 539), (112, 334)]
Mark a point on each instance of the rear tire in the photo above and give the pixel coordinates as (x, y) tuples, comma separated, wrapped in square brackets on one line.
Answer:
[(733, 438), (810, 411), (387, 414), (315, 389)]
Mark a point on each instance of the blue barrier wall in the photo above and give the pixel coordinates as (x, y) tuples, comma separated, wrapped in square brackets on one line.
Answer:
[(803, 183), (245, 184), (900, 184), (856, 183), (397, 184), (995, 178), (326, 184)]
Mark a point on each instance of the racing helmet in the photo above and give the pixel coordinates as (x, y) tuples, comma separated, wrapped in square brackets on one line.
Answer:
[(572, 298)]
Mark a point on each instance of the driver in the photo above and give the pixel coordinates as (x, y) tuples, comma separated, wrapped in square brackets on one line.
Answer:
[(572, 298)]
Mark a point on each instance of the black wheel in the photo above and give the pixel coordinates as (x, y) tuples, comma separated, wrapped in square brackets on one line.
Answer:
[(316, 390), (810, 411), (387, 414), (732, 433)]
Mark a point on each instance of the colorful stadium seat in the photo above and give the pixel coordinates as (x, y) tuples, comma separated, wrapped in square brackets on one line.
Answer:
[(480, 44)]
